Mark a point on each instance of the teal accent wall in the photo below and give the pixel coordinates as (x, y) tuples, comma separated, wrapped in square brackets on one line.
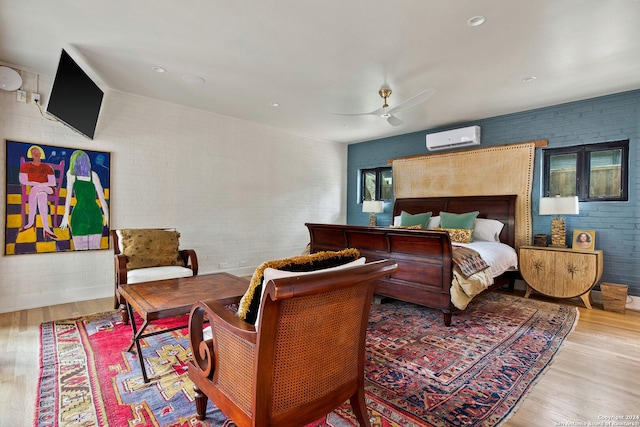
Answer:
[(608, 118)]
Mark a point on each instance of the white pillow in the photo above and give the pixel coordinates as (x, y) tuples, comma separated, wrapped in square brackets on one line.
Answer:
[(434, 222), (486, 230), (397, 221), (272, 274)]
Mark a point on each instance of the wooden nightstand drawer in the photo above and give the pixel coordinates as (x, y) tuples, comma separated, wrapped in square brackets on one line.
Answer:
[(560, 272)]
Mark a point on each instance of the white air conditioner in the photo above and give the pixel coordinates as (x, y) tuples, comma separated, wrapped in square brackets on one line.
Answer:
[(455, 138)]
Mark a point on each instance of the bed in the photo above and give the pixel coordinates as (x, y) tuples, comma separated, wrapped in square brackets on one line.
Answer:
[(425, 258)]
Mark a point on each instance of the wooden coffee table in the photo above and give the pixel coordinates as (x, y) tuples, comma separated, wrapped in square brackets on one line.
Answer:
[(174, 297)]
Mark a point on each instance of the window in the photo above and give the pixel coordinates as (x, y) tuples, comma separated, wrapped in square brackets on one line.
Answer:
[(593, 172), (377, 184)]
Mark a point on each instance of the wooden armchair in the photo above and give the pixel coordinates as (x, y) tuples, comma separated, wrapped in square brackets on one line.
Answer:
[(304, 357), (172, 263)]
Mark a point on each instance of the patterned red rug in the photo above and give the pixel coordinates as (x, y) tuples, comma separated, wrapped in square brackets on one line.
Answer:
[(419, 372)]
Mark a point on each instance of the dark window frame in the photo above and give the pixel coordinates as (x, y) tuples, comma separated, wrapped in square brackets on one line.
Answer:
[(583, 169), (378, 171)]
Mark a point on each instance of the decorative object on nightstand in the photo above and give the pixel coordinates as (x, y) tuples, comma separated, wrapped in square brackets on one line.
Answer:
[(559, 206), (560, 272), (540, 240), (584, 239), (373, 207)]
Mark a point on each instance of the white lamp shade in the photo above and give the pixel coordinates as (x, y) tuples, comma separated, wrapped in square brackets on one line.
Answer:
[(375, 206), (559, 206)]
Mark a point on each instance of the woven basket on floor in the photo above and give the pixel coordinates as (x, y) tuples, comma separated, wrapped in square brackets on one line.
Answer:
[(614, 297)]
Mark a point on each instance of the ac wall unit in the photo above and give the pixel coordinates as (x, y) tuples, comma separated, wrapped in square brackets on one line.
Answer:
[(455, 138)]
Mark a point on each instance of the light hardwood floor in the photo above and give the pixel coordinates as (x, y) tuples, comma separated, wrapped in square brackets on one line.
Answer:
[(596, 373)]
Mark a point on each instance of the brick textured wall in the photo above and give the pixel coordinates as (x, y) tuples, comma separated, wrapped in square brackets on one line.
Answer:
[(609, 118), (239, 193)]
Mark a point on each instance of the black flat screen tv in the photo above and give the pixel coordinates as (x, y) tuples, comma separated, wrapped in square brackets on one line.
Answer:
[(75, 99)]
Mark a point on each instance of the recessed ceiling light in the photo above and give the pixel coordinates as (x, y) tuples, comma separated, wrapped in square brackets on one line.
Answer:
[(275, 104), (158, 69), (476, 21), (190, 78), (528, 79)]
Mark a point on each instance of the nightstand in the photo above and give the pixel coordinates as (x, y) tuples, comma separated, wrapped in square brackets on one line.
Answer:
[(560, 272)]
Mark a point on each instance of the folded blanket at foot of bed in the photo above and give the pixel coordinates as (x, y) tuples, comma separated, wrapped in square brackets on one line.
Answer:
[(471, 275), (467, 261)]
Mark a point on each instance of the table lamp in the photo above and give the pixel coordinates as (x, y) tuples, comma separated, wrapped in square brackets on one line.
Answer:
[(373, 207), (559, 206)]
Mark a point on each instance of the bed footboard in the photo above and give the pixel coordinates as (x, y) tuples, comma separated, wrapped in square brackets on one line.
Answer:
[(423, 256)]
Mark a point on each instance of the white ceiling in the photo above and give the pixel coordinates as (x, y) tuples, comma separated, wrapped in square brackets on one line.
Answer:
[(317, 58)]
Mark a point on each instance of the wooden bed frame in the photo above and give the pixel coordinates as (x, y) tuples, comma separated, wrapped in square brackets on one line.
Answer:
[(423, 256)]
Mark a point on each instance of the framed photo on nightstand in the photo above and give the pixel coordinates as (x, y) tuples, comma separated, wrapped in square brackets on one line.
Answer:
[(584, 239)]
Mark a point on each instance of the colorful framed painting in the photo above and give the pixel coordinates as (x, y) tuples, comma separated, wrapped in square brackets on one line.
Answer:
[(57, 199), (584, 239)]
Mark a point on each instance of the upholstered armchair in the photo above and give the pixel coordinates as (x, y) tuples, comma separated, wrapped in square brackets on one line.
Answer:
[(148, 254), (304, 356)]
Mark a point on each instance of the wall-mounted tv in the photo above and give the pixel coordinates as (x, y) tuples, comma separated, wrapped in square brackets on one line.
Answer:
[(75, 99)]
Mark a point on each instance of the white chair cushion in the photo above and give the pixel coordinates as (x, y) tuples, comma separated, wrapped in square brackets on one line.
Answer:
[(207, 334), (141, 275)]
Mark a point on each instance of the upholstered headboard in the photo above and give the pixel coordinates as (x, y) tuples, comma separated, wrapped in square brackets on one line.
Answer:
[(488, 171), (501, 208)]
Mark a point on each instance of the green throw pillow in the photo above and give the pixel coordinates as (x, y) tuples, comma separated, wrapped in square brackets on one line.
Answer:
[(451, 220), (407, 219)]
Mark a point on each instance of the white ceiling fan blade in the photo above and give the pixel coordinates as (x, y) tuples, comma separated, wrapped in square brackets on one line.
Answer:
[(394, 121), (413, 101), (377, 112)]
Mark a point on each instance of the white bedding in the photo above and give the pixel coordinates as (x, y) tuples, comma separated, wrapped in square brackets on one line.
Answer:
[(498, 256)]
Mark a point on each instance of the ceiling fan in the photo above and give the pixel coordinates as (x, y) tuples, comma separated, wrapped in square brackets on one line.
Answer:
[(389, 113)]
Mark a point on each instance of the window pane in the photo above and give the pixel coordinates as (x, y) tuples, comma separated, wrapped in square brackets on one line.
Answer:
[(562, 175), (605, 173), (369, 185), (593, 172), (386, 184)]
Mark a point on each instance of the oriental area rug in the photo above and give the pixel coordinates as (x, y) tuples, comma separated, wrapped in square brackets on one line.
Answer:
[(418, 371)]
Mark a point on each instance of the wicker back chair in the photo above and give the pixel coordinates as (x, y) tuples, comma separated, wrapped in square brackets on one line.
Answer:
[(304, 357)]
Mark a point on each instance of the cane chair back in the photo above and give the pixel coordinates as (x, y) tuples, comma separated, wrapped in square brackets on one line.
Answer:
[(304, 358)]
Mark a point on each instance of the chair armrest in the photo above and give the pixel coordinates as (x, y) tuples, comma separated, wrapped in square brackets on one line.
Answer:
[(226, 301), (190, 259), (220, 318), (121, 269)]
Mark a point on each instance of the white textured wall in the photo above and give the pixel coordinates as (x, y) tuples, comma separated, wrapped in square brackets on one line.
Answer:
[(239, 193)]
